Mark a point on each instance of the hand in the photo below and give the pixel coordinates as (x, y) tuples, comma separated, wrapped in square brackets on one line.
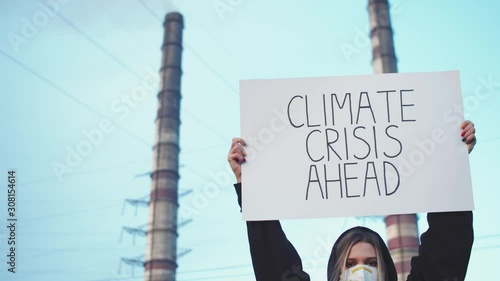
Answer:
[(236, 157), (468, 134)]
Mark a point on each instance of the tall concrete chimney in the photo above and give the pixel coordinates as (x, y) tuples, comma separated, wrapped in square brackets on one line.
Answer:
[(402, 231), (161, 246)]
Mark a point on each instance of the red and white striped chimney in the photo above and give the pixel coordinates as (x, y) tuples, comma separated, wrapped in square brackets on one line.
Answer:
[(402, 231), (161, 246)]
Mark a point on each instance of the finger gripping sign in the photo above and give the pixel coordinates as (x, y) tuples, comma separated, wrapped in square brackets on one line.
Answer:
[(353, 146)]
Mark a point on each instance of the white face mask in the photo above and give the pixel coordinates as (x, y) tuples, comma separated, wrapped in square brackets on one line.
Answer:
[(360, 272)]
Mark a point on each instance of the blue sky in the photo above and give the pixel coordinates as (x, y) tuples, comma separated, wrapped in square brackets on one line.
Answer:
[(75, 66)]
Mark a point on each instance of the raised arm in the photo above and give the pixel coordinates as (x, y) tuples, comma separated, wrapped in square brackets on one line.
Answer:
[(273, 256), (446, 246)]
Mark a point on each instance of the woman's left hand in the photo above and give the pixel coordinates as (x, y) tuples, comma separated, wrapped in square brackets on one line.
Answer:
[(468, 134)]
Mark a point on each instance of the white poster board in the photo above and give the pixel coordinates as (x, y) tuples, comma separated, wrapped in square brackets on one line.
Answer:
[(353, 146)]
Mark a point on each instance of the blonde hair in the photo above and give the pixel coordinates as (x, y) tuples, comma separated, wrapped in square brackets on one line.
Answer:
[(344, 246)]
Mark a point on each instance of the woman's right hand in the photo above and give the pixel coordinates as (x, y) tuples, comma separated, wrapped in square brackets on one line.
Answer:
[(236, 157)]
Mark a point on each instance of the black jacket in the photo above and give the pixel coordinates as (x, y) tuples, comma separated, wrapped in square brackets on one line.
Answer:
[(443, 254)]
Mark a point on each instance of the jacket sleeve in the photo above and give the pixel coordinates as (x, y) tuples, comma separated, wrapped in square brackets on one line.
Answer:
[(273, 257), (445, 248)]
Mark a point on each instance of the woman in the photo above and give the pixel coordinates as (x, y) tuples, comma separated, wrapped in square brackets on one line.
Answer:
[(360, 253)]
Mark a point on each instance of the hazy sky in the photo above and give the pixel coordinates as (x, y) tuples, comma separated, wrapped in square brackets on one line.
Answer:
[(71, 72)]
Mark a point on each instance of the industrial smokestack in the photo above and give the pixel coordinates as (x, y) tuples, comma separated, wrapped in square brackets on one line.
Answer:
[(402, 231), (384, 56), (161, 246)]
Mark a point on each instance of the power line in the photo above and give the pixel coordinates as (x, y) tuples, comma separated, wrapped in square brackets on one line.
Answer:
[(145, 6), (124, 65), (77, 248), (487, 236), (206, 148), (94, 42), (214, 268), (206, 125), (202, 278), (121, 278), (486, 248), (71, 213), (218, 277), (67, 94), (490, 139), (193, 51), (84, 172), (115, 166)]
